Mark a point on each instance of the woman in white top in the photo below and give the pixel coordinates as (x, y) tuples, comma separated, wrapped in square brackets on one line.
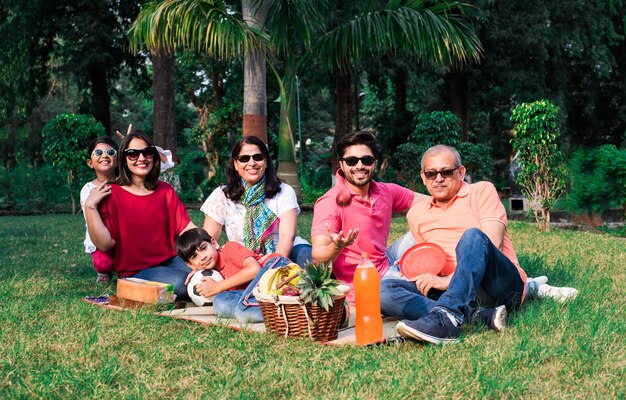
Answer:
[(254, 207)]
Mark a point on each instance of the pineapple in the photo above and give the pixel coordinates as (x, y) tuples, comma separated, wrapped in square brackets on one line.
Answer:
[(317, 286)]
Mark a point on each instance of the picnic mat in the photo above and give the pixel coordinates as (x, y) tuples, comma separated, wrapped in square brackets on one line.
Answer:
[(205, 315)]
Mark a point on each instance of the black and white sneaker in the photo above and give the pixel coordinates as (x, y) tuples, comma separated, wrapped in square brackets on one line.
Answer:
[(438, 327), (495, 318)]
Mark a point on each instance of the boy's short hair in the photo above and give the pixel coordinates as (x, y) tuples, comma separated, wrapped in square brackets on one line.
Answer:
[(189, 241)]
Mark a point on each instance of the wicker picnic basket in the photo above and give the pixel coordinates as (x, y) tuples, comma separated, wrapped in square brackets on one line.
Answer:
[(289, 316)]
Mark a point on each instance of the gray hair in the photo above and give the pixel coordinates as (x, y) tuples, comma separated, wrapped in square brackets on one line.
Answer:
[(439, 149)]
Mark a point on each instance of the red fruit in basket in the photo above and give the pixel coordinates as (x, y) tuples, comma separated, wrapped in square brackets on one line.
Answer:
[(291, 291), (344, 198)]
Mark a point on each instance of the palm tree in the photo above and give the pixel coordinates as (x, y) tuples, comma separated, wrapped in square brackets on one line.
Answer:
[(437, 34), (429, 33)]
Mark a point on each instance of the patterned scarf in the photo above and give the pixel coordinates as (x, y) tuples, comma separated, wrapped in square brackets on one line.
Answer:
[(260, 220)]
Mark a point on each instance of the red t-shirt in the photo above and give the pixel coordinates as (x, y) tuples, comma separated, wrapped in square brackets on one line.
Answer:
[(144, 227), (230, 260)]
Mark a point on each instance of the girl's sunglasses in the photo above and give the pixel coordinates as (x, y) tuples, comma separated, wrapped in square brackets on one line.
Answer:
[(147, 152), (100, 152), (245, 158), (353, 161)]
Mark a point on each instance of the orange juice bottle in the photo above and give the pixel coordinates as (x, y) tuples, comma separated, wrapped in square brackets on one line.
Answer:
[(369, 323)]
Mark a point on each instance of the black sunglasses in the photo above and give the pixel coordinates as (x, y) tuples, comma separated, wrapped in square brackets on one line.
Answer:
[(245, 158), (353, 161), (100, 152), (445, 173), (147, 152)]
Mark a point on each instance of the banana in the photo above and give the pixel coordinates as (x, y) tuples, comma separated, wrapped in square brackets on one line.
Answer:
[(274, 277)]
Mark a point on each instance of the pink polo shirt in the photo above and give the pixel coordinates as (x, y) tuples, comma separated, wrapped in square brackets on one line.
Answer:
[(372, 217), (444, 224)]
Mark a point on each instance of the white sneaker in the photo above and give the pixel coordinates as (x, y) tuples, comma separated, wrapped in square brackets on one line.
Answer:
[(541, 280), (557, 293)]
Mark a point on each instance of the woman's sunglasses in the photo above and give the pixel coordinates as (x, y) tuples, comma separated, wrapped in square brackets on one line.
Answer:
[(147, 152), (245, 158), (445, 173), (353, 161), (100, 152)]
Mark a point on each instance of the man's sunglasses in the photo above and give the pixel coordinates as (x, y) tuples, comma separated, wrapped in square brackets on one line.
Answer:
[(100, 152), (245, 158), (445, 173), (147, 152), (353, 161)]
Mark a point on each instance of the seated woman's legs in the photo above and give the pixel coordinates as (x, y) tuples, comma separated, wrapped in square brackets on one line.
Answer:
[(301, 253), (174, 271)]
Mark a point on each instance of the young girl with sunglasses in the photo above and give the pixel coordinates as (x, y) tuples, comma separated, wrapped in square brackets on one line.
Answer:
[(137, 218), (102, 158)]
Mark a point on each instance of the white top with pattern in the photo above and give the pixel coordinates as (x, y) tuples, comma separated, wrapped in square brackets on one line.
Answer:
[(231, 215)]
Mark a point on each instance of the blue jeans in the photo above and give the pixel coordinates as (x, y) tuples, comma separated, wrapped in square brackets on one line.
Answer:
[(394, 253), (301, 253), (483, 277), (172, 271), (241, 304)]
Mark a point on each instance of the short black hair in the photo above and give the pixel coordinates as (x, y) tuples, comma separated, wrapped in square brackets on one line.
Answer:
[(189, 241), (102, 139), (359, 137)]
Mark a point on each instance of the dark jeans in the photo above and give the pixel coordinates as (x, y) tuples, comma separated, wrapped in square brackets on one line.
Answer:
[(483, 277), (172, 271)]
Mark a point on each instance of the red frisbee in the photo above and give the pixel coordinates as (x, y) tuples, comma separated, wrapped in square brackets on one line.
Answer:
[(421, 259)]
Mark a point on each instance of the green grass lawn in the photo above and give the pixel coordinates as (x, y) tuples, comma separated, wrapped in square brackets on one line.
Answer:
[(53, 345)]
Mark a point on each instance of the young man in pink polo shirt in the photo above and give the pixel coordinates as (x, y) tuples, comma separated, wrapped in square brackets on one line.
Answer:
[(341, 234)]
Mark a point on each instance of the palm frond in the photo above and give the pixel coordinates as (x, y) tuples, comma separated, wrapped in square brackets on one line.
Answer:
[(438, 34), (201, 25)]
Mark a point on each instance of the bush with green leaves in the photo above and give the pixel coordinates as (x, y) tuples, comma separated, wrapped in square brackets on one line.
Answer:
[(542, 172), (315, 174), (597, 180), (440, 127), (65, 139), (32, 190)]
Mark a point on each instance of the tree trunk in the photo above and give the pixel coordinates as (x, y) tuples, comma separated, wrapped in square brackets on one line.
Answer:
[(163, 94), (456, 87), (100, 97), (343, 110), (254, 76)]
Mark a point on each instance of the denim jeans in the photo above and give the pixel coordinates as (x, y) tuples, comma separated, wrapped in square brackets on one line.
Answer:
[(301, 253), (483, 277), (173, 271), (394, 253), (241, 304)]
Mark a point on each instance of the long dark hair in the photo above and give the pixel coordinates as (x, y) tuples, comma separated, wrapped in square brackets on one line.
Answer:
[(234, 189), (123, 178)]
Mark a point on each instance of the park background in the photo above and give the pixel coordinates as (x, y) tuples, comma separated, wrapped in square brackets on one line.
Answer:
[(76, 59)]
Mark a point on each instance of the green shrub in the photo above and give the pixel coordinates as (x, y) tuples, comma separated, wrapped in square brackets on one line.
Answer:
[(315, 174), (192, 172), (25, 189), (440, 127), (65, 139), (597, 180), (536, 140)]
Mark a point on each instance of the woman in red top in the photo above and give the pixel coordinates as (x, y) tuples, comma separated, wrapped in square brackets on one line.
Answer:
[(137, 218)]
